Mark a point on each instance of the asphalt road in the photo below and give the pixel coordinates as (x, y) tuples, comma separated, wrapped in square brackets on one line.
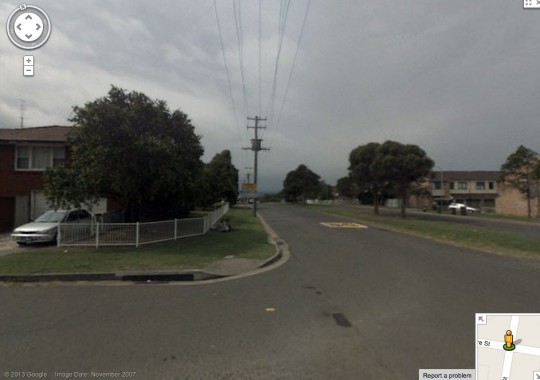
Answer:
[(349, 304)]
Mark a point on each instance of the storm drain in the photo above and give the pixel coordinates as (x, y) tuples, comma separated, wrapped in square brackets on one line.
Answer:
[(341, 320), (159, 277)]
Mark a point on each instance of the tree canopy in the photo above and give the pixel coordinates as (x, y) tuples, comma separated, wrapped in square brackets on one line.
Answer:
[(362, 174), (220, 180), (522, 170), (347, 188), (401, 165), (391, 166), (301, 183), (132, 149)]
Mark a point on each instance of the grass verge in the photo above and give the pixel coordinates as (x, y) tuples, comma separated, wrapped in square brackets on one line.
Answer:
[(457, 234), (247, 240)]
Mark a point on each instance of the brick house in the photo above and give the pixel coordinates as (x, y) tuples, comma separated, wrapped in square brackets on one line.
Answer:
[(479, 189), (25, 153)]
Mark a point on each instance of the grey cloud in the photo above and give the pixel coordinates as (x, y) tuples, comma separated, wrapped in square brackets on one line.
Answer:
[(458, 78)]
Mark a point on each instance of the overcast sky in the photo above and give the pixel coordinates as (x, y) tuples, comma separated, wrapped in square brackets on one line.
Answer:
[(459, 78)]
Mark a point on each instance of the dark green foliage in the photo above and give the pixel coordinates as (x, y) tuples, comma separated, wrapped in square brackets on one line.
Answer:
[(362, 174), (347, 188), (219, 180), (390, 167), (132, 149), (325, 191), (301, 183), (401, 165)]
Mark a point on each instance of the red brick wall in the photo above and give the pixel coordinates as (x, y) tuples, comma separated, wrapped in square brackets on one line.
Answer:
[(14, 182), (7, 214)]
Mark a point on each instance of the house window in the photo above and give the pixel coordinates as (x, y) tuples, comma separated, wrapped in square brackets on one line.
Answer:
[(39, 157), (452, 186), (436, 185), (23, 157), (489, 203), (59, 157), (492, 185), (480, 185), (462, 185)]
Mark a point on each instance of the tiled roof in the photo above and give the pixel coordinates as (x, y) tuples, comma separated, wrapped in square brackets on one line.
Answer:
[(53, 133), (465, 175)]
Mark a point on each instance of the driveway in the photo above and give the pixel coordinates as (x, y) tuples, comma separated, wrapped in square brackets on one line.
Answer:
[(7, 246)]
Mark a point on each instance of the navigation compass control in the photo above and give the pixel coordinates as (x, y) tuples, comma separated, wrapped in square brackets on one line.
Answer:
[(28, 27)]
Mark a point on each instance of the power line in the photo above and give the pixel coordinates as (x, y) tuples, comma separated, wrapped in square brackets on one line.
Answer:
[(238, 23), (293, 64), (276, 122), (283, 12), (260, 86), (227, 70)]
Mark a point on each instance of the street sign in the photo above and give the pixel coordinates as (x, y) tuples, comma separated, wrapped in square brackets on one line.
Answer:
[(249, 186)]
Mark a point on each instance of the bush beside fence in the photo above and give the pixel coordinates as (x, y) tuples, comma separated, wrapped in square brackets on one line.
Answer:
[(136, 234)]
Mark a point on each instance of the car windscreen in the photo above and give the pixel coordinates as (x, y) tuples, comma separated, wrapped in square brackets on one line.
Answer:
[(51, 217)]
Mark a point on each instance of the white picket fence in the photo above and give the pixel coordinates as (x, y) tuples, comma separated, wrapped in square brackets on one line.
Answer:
[(136, 234)]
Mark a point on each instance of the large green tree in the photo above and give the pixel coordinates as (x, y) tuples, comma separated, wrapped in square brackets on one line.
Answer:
[(301, 183), (362, 174), (220, 180), (522, 170), (347, 188), (325, 191), (132, 149), (401, 165), (390, 167)]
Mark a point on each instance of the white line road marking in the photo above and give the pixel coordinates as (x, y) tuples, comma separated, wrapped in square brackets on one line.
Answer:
[(343, 225)]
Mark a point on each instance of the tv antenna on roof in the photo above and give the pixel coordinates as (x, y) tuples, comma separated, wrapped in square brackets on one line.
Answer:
[(22, 112)]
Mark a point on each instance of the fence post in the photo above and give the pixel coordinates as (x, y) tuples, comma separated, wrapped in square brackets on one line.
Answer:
[(97, 235), (137, 236), (58, 235), (175, 228)]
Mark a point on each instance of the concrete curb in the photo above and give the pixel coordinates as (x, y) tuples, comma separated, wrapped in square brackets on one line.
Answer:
[(146, 276), (274, 239), (154, 276), (48, 277)]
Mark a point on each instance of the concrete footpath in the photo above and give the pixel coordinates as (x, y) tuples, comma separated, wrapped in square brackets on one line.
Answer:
[(227, 267)]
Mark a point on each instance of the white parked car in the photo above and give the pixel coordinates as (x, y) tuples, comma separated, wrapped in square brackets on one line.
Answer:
[(456, 208), (45, 228)]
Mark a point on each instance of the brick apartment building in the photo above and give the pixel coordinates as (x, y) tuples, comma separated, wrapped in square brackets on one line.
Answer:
[(480, 189), (512, 202)]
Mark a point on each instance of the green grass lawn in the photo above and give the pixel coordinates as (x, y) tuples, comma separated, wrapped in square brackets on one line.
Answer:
[(448, 232), (247, 240), (509, 218)]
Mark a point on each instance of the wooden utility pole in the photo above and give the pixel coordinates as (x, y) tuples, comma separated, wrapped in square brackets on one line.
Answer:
[(256, 146)]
